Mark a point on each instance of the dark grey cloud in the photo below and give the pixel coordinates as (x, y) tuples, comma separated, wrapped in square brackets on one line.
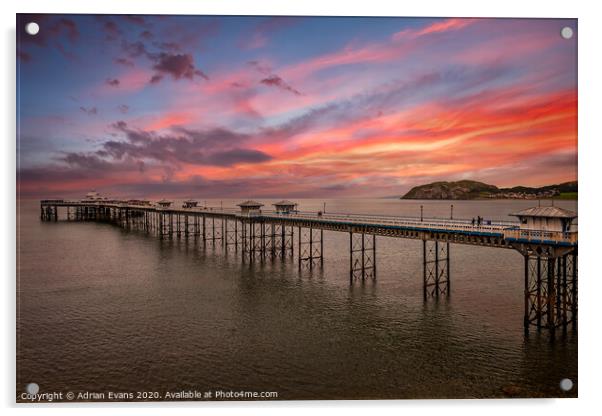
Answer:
[(234, 156), (261, 67), (67, 26), (214, 147), (76, 166), (135, 49), (276, 81), (113, 82), (214, 137), (70, 169), (168, 46), (165, 51), (178, 66), (124, 61), (112, 30), (169, 62), (98, 163), (91, 111), (86, 161)]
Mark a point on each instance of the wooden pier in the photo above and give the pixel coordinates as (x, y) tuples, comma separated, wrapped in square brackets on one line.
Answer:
[(550, 256)]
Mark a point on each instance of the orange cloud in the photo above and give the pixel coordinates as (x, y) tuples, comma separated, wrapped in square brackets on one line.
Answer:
[(423, 141)]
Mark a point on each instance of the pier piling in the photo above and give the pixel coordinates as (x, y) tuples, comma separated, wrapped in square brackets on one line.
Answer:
[(436, 270), (550, 289), (362, 254)]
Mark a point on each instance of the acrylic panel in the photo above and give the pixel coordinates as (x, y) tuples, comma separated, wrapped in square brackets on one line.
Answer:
[(295, 208)]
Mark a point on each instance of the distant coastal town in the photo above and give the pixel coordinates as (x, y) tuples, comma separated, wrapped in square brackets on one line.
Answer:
[(525, 195)]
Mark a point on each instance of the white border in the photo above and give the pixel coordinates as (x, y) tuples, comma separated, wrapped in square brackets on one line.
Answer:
[(590, 137)]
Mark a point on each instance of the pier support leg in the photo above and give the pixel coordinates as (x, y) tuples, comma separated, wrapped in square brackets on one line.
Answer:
[(274, 229), (232, 234), (282, 240), (196, 230), (253, 240), (550, 291), (435, 268), (245, 239), (259, 234), (362, 254), (571, 291), (161, 225), (222, 234), (217, 231), (310, 247)]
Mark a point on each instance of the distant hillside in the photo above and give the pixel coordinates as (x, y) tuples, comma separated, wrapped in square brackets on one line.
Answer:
[(450, 190), (479, 190)]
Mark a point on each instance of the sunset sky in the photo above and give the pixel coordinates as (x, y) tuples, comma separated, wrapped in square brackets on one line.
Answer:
[(210, 106)]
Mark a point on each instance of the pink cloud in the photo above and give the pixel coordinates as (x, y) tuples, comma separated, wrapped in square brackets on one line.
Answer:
[(375, 52), (512, 47), (168, 120), (438, 27)]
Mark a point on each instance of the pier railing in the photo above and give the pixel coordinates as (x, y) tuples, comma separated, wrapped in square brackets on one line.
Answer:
[(464, 225), (540, 236)]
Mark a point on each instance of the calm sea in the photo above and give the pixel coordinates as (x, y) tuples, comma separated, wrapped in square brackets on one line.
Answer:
[(103, 309)]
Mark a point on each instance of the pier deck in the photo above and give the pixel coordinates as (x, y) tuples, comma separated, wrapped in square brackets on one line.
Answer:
[(500, 233), (550, 256)]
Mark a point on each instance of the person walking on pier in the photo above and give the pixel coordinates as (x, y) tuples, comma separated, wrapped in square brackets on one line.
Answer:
[(473, 221)]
